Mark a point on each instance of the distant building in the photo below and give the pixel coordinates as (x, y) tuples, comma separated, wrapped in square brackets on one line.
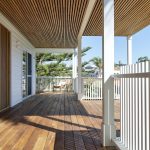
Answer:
[(98, 73)]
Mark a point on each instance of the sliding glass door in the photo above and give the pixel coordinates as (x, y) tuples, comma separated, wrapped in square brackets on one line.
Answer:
[(27, 74)]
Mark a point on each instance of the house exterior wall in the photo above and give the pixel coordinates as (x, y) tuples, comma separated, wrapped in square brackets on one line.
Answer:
[(18, 44)]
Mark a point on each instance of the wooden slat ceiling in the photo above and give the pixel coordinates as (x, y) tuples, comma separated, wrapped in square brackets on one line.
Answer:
[(47, 23), (56, 23), (130, 17)]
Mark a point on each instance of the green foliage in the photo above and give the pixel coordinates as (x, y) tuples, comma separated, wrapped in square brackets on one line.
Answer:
[(55, 67), (143, 59), (97, 61)]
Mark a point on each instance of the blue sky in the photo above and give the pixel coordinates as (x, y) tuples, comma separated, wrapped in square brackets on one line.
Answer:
[(141, 46)]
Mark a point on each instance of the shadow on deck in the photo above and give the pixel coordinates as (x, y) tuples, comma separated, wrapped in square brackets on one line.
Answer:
[(52, 121)]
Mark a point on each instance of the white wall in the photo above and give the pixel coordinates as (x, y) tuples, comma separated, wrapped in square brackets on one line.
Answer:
[(18, 44)]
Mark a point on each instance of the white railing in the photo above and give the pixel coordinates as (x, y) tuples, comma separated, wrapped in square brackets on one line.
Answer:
[(48, 84), (135, 107), (92, 88)]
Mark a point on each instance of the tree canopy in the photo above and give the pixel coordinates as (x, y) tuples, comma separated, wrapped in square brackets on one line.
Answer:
[(143, 59), (50, 64)]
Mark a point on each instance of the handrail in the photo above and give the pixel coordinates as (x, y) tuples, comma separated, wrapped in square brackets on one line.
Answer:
[(92, 78), (50, 77), (133, 75)]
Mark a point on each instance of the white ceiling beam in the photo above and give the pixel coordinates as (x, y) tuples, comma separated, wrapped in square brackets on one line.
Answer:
[(54, 50), (86, 18)]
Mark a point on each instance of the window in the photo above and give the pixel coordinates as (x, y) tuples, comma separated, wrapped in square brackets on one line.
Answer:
[(26, 74)]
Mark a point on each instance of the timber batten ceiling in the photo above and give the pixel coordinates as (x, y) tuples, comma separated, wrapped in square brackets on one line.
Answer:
[(47, 23), (130, 17), (56, 23)]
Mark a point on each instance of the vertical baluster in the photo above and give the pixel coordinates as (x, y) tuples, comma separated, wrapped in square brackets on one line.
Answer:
[(130, 103), (128, 114), (128, 108), (92, 88), (88, 89), (136, 110), (133, 107), (147, 108), (85, 88), (121, 105), (116, 84), (124, 112), (115, 89), (119, 89), (124, 107), (123, 118), (101, 95), (140, 110), (143, 108), (84, 91), (97, 88), (98, 85)]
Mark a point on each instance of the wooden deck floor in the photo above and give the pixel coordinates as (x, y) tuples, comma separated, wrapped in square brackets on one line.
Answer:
[(53, 121)]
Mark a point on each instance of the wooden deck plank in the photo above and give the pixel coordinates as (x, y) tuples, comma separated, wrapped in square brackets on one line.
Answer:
[(78, 139), (54, 121), (88, 141)]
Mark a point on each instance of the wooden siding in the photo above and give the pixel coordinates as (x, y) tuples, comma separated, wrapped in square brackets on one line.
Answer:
[(56, 23), (53, 121), (4, 68)]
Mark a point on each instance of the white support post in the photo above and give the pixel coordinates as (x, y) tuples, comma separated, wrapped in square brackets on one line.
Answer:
[(108, 127), (79, 79), (74, 70), (85, 20), (129, 50)]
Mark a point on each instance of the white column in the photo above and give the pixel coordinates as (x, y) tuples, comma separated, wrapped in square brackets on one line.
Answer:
[(79, 79), (109, 131), (129, 50), (74, 70)]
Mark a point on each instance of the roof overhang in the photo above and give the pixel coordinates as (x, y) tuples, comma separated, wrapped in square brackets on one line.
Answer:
[(54, 50), (58, 23)]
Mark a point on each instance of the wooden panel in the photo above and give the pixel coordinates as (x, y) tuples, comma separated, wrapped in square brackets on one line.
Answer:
[(4, 67)]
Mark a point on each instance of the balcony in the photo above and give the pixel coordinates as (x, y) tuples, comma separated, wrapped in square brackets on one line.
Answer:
[(80, 113)]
